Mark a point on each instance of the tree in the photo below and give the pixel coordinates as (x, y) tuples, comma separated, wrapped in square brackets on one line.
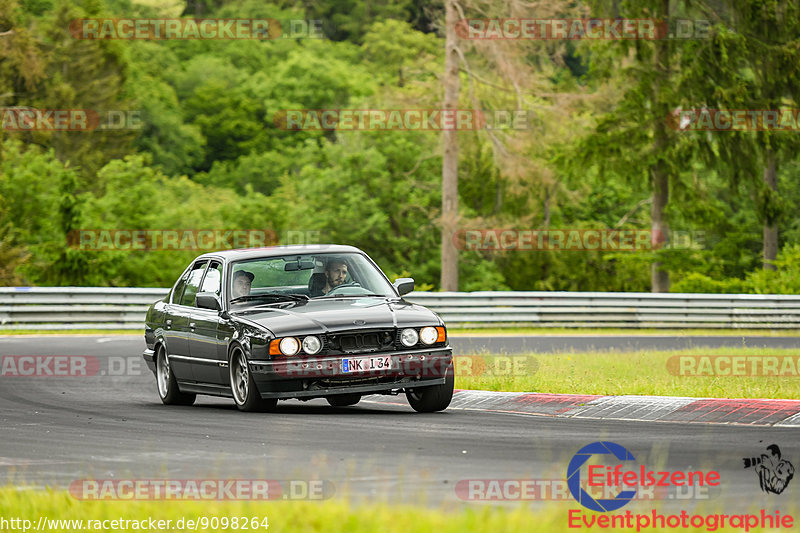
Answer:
[(12, 258), (21, 61), (634, 139), (177, 146), (82, 74), (449, 281), (394, 45), (374, 190), (37, 200)]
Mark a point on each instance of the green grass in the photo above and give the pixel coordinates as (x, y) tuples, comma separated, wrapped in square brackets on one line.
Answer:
[(617, 373), (330, 516)]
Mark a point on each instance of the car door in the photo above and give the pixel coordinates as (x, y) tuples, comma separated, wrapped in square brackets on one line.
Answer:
[(173, 338), (206, 349), (181, 308)]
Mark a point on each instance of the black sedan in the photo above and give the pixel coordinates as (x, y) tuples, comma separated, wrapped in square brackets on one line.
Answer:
[(318, 321)]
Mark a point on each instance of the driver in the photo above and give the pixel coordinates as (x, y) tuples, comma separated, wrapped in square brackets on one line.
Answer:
[(335, 274), (242, 281)]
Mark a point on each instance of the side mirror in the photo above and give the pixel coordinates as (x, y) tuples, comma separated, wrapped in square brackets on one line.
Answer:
[(208, 300), (403, 285)]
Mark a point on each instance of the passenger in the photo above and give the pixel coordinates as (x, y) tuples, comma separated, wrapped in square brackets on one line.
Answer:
[(242, 281)]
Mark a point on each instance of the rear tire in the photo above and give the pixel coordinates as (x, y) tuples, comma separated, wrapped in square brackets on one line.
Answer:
[(167, 385), (434, 397), (243, 387), (343, 400)]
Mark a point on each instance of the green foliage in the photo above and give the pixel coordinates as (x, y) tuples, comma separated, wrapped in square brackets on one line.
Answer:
[(784, 280), (12, 258), (393, 47), (28, 200), (137, 197), (176, 145), (260, 171), (700, 283), (347, 19), (211, 154), (359, 191)]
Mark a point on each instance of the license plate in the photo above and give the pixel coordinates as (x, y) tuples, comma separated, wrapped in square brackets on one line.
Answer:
[(366, 364)]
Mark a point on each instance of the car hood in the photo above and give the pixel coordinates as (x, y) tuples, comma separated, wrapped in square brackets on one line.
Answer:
[(337, 314)]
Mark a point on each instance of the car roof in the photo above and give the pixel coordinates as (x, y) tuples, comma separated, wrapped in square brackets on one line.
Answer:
[(272, 251)]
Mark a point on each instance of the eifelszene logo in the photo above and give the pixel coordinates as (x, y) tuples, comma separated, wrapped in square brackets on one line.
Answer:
[(606, 477), (774, 473), (627, 478), (574, 476)]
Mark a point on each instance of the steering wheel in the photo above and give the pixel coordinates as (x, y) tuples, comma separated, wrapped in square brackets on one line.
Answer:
[(343, 285)]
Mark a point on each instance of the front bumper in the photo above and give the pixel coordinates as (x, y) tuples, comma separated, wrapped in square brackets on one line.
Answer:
[(309, 377), (149, 358)]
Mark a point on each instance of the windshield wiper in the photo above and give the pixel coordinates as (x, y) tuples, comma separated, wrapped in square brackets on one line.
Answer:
[(352, 295), (274, 295)]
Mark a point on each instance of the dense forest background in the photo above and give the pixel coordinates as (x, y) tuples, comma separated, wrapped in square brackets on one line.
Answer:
[(209, 155)]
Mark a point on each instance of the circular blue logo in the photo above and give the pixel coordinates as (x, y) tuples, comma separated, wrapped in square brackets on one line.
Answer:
[(574, 476)]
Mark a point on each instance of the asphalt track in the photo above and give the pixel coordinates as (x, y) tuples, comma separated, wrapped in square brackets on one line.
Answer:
[(56, 430), (462, 344)]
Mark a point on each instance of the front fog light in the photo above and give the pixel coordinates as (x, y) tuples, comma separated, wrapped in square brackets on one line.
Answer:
[(409, 337), (289, 346), (428, 335), (311, 345)]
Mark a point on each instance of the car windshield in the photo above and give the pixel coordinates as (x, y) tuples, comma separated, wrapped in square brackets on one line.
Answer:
[(302, 276)]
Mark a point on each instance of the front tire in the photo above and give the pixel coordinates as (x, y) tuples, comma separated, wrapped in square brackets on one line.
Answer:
[(434, 397), (243, 387), (343, 400), (167, 384)]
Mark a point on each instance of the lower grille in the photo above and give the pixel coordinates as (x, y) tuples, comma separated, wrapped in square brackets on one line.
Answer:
[(346, 382)]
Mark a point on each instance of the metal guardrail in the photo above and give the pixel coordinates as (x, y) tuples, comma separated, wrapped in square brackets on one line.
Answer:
[(124, 308), (75, 307), (614, 309)]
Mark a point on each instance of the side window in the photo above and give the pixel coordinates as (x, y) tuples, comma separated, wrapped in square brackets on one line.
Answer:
[(193, 283), (212, 281), (178, 292)]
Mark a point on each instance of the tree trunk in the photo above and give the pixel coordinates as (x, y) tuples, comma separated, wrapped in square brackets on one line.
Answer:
[(770, 225), (659, 277), (546, 221), (660, 228), (449, 280)]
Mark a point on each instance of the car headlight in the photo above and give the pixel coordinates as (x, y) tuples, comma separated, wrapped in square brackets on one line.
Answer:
[(312, 345), (409, 337), (428, 335), (289, 346)]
